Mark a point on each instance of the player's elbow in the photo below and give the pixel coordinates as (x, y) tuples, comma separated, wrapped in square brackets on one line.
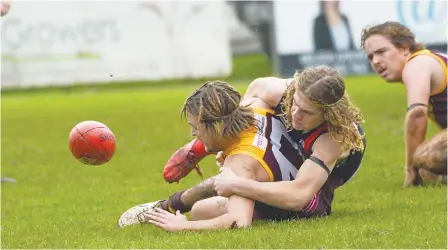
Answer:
[(255, 88), (298, 200), (298, 203), (301, 193), (417, 119)]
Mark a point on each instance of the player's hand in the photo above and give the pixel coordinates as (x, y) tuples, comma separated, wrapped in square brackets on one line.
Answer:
[(412, 178), (220, 159), (166, 220), (225, 181)]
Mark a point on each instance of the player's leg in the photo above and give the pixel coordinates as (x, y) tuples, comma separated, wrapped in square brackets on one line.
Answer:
[(209, 208), (425, 177), (318, 206), (182, 201), (184, 160), (430, 159)]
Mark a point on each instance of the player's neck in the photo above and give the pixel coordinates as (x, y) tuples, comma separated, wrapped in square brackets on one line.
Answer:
[(227, 142)]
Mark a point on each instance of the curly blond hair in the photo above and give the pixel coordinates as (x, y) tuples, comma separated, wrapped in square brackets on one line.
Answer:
[(325, 88), (398, 34), (216, 104)]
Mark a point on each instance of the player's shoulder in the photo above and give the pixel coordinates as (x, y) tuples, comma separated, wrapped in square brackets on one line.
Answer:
[(423, 60), (420, 63), (254, 138), (329, 148)]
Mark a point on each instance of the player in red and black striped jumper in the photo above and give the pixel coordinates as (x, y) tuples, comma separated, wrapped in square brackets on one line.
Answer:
[(317, 111), (396, 56)]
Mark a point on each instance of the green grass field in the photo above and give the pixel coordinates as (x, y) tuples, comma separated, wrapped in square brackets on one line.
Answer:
[(60, 203)]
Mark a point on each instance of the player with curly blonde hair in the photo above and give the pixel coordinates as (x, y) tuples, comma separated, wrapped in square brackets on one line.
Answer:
[(338, 112)]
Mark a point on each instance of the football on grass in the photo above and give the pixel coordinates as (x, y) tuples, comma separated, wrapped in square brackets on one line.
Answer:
[(92, 143)]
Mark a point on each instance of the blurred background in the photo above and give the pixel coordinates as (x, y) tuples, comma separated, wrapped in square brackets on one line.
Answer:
[(60, 43)]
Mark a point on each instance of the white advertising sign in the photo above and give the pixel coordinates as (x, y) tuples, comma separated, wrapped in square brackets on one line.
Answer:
[(65, 42), (295, 20)]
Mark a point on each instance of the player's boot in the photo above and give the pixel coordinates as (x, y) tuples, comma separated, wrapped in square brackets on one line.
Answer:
[(184, 160), (135, 215)]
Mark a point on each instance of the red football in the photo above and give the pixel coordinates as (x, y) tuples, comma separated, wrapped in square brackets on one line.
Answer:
[(92, 143)]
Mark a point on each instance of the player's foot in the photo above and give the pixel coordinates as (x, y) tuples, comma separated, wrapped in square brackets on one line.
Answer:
[(412, 178), (184, 160), (134, 215)]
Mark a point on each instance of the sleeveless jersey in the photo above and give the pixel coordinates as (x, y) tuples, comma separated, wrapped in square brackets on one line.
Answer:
[(437, 109), (270, 144), (345, 168)]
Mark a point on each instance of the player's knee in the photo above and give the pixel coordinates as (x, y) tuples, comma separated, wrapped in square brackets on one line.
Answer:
[(432, 155), (209, 208), (419, 116)]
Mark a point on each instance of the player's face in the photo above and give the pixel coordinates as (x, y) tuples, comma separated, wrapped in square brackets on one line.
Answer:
[(387, 60), (198, 130), (305, 115), (331, 5), (5, 6)]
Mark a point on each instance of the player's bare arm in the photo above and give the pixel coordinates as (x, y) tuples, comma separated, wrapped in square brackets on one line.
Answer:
[(239, 209), (417, 79), (268, 89), (294, 195)]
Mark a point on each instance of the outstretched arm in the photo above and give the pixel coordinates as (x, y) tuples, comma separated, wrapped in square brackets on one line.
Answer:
[(289, 195)]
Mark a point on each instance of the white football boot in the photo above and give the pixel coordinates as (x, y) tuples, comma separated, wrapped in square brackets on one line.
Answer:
[(134, 215)]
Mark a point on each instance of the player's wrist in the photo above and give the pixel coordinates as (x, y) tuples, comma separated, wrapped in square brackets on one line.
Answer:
[(188, 225)]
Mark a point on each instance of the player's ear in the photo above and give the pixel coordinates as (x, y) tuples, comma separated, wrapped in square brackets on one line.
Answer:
[(405, 51)]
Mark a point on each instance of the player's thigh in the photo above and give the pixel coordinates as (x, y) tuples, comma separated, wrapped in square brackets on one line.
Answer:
[(209, 208), (432, 154)]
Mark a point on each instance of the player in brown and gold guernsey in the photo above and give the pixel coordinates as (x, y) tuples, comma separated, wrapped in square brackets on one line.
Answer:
[(395, 55)]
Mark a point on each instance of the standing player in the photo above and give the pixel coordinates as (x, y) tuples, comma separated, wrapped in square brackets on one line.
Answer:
[(396, 56), (330, 144)]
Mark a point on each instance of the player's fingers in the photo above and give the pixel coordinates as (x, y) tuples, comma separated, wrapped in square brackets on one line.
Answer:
[(220, 157), (156, 217), (156, 223), (155, 214), (164, 212)]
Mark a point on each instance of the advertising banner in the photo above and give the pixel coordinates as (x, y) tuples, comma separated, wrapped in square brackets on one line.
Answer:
[(65, 42)]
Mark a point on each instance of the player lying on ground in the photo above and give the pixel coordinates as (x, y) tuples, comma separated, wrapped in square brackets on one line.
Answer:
[(330, 152), (396, 56)]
